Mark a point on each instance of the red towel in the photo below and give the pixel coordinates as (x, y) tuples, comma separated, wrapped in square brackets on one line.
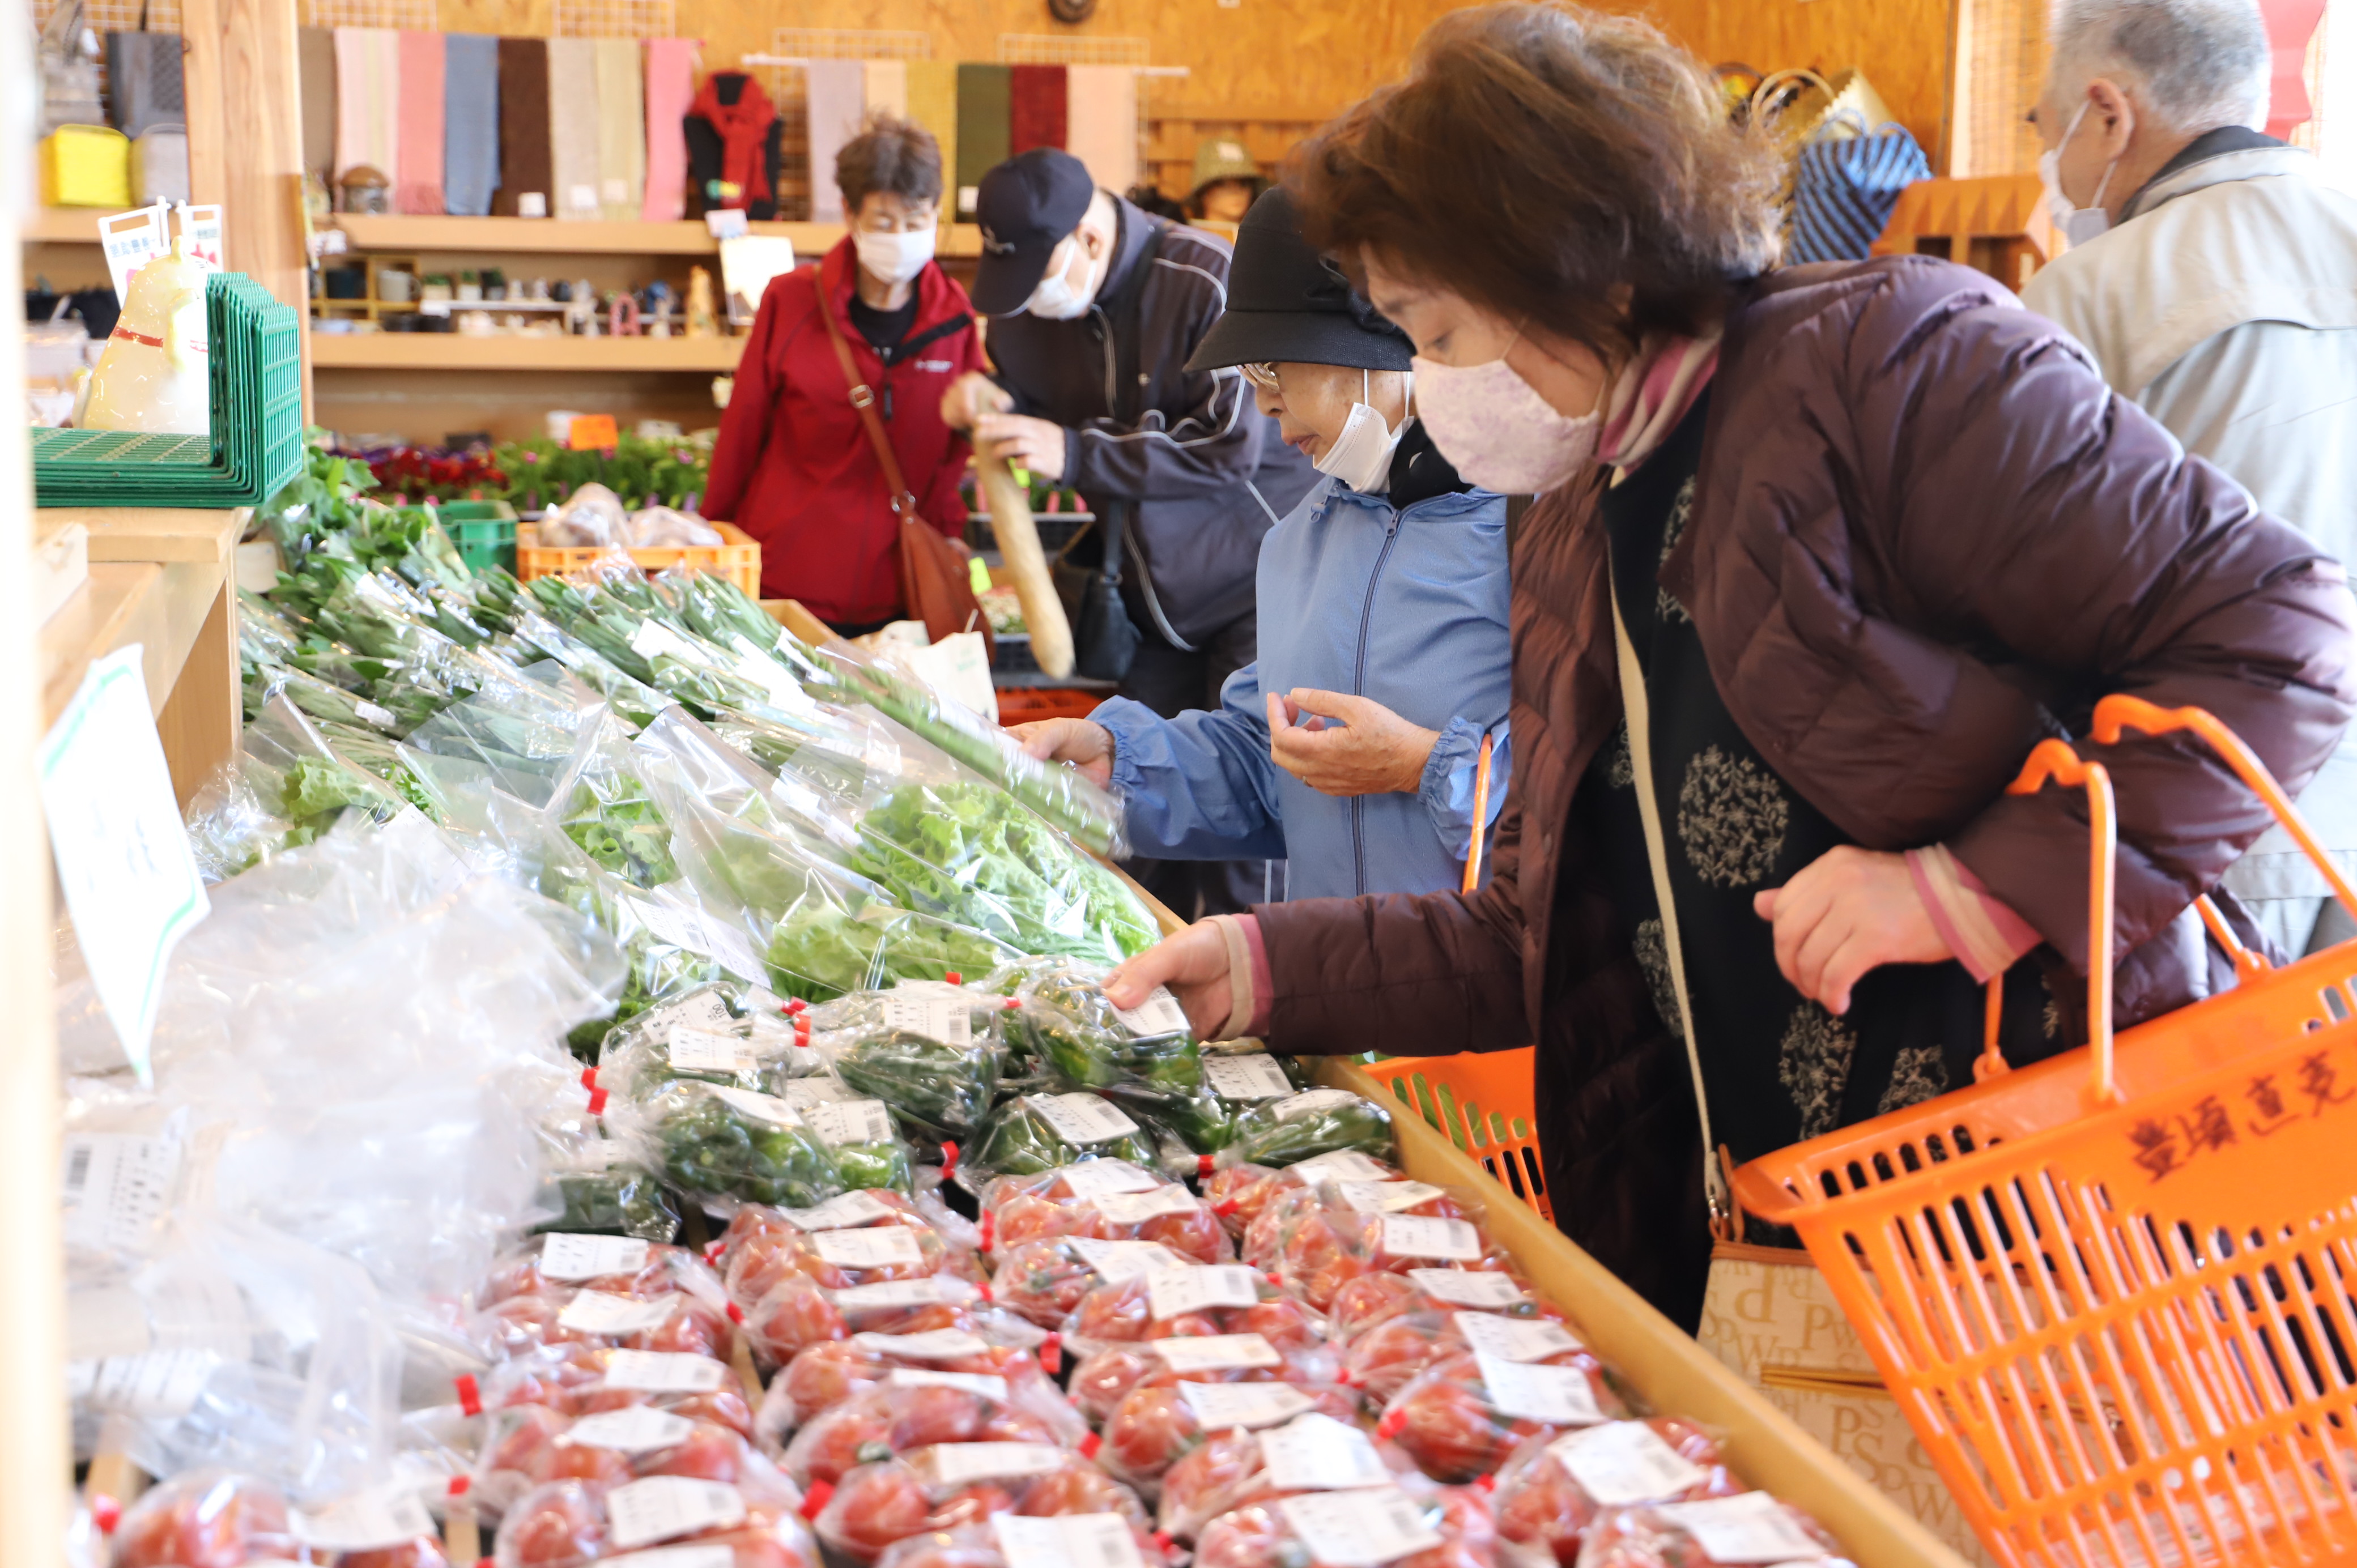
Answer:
[(1036, 107), (744, 128), (419, 168)]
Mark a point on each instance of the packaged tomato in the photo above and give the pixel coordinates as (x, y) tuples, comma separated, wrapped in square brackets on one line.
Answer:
[(1446, 1527), (799, 1313), (583, 1380), (559, 1262), (1371, 1298), (675, 1323), (1322, 1447), (860, 1238), (1751, 1527), (1044, 1280), (204, 1518), (1552, 1489), (567, 1524), (1465, 1414), (825, 1375), (916, 1410), (1238, 1193), (1385, 1359), (1020, 1541), (1353, 1228), (530, 1446), (1100, 1383), (964, 1484), (1162, 1424), (1105, 1200), (1204, 1299)]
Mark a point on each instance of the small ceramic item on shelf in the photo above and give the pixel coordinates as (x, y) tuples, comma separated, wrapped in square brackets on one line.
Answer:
[(475, 324), (701, 320), (367, 190), (622, 315), (155, 375)]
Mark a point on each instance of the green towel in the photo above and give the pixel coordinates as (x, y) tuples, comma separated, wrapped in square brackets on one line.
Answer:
[(984, 128)]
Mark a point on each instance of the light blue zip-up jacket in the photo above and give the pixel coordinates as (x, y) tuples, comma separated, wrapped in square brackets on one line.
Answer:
[(1407, 608)]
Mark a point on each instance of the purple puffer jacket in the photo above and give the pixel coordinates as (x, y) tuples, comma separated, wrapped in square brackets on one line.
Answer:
[(1925, 536)]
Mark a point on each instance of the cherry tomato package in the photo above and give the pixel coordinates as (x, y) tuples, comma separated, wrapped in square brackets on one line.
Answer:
[(675, 1323), (567, 1523), (204, 1518), (1371, 1298), (826, 1374), (1045, 1280), (1100, 1382), (861, 1238), (1553, 1488), (1203, 1299), (959, 1484), (799, 1313), (1119, 1202), (1448, 1526), (576, 1380), (1465, 1414), (1317, 1243), (1320, 1448), (1239, 1192), (531, 1445), (918, 1410), (1384, 1358), (559, 1261), (1019, 1541), (1162, 1424), (1751, 1527)]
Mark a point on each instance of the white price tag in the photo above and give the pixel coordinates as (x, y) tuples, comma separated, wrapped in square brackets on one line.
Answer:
[(1515, 1339), (1176, 1291), (653, 639), (130, 240), (117, 844), (699, 1050), (760, 1107), (637, 1430), (1215, 1353), (1313, 1101), (1318, 1453), (1358, 1529), (705, 1010), (1468, 1287), (1625, 1463), (380, 1517), (928, 1012), (1344, 1165), (1387, 1197), (728, 224), (934, 1345), (1220, 1406), (876, 1247), (660, 1507), (840, 1212), (1412, 1236), (1752, 1528), (564, 1256), (1138, 1208), (201, 227), (380, 717), (664, 1371), (594, 1312), (1103, 1179), (161, 1383), (710, 1556), (1073, 1541), (1558, 1396), (1159, 1013), (839, 1121), (1118, 1263), (987, 1384), (956, 1464), (801, 1093), (926, 1291), (1246, 1078), (116, 1186), (1081, 1117)]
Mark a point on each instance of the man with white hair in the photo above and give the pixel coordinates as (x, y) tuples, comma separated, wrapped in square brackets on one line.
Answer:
[(2213, 276)]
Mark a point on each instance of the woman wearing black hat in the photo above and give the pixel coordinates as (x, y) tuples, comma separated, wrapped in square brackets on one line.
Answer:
[(1351, 748)]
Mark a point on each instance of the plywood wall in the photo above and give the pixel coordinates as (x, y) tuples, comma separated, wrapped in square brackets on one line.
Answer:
[(1901, 44)]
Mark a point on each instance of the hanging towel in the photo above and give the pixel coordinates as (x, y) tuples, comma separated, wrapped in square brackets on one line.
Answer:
[(981, 128), (470, 122), (670, 88), (886, 82), (622, 130), (837, 101), (144, 88), (1034, 108), (573, 129), (419, 189), (524, 152), (315, 53), (1101, 123), (932, 103), (368, 101), (734, 134)]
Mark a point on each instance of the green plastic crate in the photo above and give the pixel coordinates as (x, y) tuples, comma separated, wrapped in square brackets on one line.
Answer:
[(256, 355), (484, 532)]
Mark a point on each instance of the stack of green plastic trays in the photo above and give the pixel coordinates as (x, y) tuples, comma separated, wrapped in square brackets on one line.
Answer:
[(256, 445)]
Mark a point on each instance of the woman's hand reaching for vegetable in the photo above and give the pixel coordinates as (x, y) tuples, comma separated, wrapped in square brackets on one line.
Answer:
[(1088, 746), (1366, 750), (1851, 911), (1193, 964)]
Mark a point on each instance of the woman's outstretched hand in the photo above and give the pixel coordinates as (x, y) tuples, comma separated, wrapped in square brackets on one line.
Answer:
[(1370, 751), (1193, 964), (1083, 743), (1851, 911)]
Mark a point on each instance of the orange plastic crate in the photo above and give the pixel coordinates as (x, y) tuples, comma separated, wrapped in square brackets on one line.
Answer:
[(1482, 1099), (1029, 704), (740, 559)]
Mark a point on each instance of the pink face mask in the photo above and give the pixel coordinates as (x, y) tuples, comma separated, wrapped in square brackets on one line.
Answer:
[(1495, 429)]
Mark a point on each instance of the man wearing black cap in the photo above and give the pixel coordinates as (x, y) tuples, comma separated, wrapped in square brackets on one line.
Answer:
[(1097, 307)]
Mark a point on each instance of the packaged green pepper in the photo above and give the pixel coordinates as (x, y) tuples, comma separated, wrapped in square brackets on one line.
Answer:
[(605, 1191), (868, 1149), (1066, 1021), (1039, 1133), (719, 1142), (1303, 1126), (929, 1051)]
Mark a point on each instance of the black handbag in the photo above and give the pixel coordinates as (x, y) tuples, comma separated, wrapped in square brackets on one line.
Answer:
[(1104, 640)]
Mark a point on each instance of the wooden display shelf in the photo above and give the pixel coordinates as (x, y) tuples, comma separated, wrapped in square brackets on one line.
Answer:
[(551, 236), (457, 351), (62, 225)]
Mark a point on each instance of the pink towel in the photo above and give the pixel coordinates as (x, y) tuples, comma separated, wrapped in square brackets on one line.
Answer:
[(418, 185), (671, 87), (1101, 122), (838, 97)]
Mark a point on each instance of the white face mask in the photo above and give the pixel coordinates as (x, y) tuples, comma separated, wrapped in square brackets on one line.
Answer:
[(895, 258), (2079, 224), (1056, 298), (1497, 431), (1360, 457)]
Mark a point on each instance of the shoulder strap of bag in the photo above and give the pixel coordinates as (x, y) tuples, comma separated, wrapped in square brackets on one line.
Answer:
[(863, 398), (1640, 754)]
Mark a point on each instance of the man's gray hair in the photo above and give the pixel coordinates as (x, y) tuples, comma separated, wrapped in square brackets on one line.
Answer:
[(2200, 64)]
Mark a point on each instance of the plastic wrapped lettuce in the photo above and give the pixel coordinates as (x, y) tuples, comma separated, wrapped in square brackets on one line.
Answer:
[(829, 943), (1039, 1133), (607, 811), (1303, 1126)]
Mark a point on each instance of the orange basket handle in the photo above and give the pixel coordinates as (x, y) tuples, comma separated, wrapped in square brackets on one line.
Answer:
[(2054, 761)]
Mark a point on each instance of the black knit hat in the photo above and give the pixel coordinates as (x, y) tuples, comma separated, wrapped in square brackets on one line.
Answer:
[(1286, 303)]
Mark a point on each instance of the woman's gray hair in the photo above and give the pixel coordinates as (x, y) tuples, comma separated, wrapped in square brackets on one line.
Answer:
[(2201, 64)]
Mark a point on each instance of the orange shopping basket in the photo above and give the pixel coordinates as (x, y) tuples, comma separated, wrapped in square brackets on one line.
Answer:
[(2112, 1291)]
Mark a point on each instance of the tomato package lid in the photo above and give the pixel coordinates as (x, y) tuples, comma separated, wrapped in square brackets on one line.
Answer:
[(934, 1345), (1512, 1340), (1119, 1261), (664, 1371), (1557, 1396), (1623, 1463), (1387, 1197), (1071, 1540), (1215, 1352), (874, 1247), (565, 1256), (957, 1463), (380, 1517), (594, 1312), (1221, 1406), (1248, 1078), (841, 1213), (987, 1384), (637, 1430), (662, 1507), (1359, 1528), (1419, 1236), (1104, 1178), (1480, 1290), (1173, 1293), (1315, 1453), (1750, 1528), (1343, 1164)]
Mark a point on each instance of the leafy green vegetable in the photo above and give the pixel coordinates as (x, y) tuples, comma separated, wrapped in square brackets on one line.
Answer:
[(318, 785), (1019, 1140), (1196, 1117), (616, 826), (621, 1201), (821, 951)]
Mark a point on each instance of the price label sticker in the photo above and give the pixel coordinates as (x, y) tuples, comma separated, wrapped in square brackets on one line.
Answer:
[(1215, 1353), (1415, 1235), (930, 1013), (1624, 1463), (1359, 1528), (700, 1050), (365, 1522), (130, 240), (1314, 1102), (663, 1372), (841, 1213), (802, 1093), (876, 1247), (1515, 1339), (1557, 1396), (116, 1188), (839, 1121), (1104, 1178), (1220, 1406), (1315, 1453), (1159, 1013), (1118, 1263), (637, 1430), (371, 714), (705, 1010), (934, 1345), (1344, 1165), (1138, 1208), (1073, 1541), (652, 638), (565, 1256), (1246, 1078), (1387, 1197), (760, 1107), (1478, 1289), (1752, 1528), (594, 1312), (1081, 1117), (1173, 1293), (956, 1464), (164, 1384), (662, 1507), (898, 1293), (988, 1385)]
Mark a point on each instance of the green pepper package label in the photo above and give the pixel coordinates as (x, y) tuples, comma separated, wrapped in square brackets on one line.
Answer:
[(937, 1011), (1417, 1236), (1068, 1541), (1343, 1164), (662, 1507), (760, 1107), (1251, 1078), (1480, 1290), (1174, 1292), (1751, 1528), (596, 1312), (640, 1429), (988, 1385), (874, 1247), (1216, 1353), (1105, 1178), (1558, 1396), (1313, 1101), (841, 1213), (1361, 1528), (1082, 1118), (841, 1121), (569, 1257), (664, 1371), (1138, 1208), (1386, 1197), (1159, 1013), (1510, 1340), (1118, 1263), (1315, 1453), (705, 1010), (700, 1050), (1221, 1407), (1624, 1463)]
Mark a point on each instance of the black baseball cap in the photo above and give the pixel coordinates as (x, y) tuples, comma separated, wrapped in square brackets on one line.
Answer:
[(1025, 207), (1288, 303)]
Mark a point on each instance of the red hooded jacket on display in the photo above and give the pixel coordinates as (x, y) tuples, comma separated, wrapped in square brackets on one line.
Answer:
[(794, 469)]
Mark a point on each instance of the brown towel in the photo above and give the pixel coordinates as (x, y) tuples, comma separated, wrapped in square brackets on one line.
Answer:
[(1036, 108), (316, 51), (525, 162)]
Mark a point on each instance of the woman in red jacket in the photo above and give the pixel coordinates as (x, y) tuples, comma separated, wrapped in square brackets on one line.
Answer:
[(793, 468)]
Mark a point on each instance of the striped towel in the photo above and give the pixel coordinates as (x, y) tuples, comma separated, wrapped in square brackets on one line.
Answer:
[(670, 88), (368, 101), (573, 129), (837, 101), (470, 122), (621, 131), (1101, 123), (419, 189)]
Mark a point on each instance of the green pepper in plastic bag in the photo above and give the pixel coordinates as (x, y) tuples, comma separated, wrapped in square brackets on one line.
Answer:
[(728, 1143), (1196, 1116), (1039, 1133), (621, 1199), (1303, 1126), (1089, 1043), (860, 1132)]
